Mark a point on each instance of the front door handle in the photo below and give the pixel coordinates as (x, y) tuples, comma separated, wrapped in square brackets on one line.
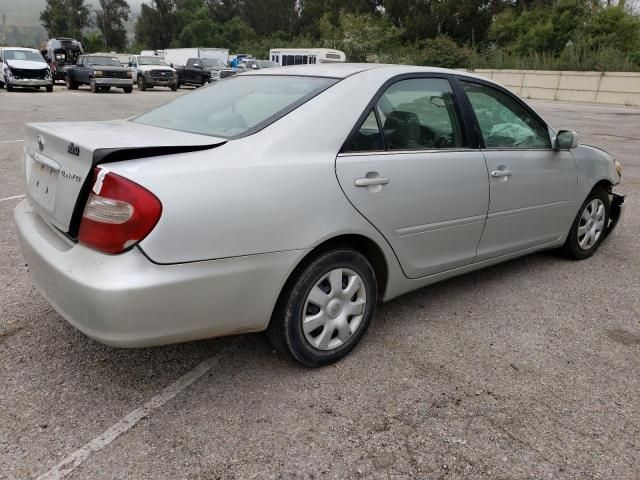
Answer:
[(501, 173), (367, 182)]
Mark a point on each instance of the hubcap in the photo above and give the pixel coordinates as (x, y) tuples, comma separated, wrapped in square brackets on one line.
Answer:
[(334, 309), (591, 224)]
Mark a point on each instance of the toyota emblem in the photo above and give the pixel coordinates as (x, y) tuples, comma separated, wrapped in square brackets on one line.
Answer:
[(41, 142)]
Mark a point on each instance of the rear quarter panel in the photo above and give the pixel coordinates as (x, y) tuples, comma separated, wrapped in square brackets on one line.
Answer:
[(272, 191)]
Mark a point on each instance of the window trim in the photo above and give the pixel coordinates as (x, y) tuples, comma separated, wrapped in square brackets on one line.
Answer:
[(459, 79), (372, 105)]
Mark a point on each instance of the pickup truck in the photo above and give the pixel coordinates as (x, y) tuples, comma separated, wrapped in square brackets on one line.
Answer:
[(200, 71), (149, 72), (100, 72)]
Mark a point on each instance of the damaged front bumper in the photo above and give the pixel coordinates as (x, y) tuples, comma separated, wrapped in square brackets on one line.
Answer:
[(615, 212)]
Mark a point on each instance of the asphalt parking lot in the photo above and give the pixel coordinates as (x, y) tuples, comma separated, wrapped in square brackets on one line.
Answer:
[(529, 369)]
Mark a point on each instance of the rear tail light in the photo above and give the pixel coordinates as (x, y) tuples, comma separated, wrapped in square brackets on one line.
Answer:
[(119, 213)]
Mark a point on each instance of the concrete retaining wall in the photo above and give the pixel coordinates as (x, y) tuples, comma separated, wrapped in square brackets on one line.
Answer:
[(619, 88)]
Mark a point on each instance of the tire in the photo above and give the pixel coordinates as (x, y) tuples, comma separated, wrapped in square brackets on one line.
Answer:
[(49, 88), (337, 293), (588, 228), (178, 85), (105, 89), (174, 87), (71, 85), (127, 89), (8, 86), (141, 83)]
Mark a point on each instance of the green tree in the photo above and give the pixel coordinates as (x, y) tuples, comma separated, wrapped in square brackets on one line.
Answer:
[(157, 24), (65, 18), (615, 28), (312, 11), (110, 21)]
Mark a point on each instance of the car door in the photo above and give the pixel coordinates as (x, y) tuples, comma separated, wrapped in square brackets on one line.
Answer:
[(82, 71), (408, 169), (532, 186)]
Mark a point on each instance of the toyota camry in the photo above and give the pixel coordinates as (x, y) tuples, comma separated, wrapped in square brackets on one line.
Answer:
[(292, 200)]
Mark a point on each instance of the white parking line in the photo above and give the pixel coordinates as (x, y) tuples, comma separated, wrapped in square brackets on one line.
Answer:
[(11, 141), (69, 464), (6, 199)]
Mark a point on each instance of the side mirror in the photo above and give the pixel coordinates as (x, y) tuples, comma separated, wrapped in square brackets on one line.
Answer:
[(565, 140)]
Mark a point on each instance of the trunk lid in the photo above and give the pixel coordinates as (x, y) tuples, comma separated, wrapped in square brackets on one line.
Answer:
[(60, 158)]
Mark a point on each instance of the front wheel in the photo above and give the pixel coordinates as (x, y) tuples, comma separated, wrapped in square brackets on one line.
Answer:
[(325, 308), (92, 85), (127, 89), (174, 87), (8, 86), (71, 85), (141, 83), (589, 227), (49, 88)]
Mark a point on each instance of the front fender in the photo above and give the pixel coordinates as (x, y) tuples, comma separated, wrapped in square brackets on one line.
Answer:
[(594, 166)]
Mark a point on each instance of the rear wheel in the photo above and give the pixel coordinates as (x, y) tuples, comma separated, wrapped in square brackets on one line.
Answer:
[(326, 308), (588, 229)]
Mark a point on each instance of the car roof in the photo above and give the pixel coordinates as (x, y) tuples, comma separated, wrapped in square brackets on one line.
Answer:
[(344, 70)]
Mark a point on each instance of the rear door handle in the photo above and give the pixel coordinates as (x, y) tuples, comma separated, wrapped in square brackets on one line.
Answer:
[(367, 182), (501, 173)]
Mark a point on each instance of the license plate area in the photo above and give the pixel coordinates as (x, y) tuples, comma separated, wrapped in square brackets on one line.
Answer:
[(43, 180)]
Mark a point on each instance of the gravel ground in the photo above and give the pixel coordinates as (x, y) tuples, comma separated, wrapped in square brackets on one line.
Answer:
[(525, 370)]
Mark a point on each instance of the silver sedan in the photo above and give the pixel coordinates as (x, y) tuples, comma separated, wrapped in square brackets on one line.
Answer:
[(293, 200)]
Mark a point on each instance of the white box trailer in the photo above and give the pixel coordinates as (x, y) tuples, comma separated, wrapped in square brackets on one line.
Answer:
[(305, 56), (178, 56)]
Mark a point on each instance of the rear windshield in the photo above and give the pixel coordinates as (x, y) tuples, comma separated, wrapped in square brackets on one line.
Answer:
[(237, 105)]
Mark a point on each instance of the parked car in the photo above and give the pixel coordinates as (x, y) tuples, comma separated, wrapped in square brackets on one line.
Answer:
[(199, 71), (100, 72), (24, 67), (149, 72), (292, 200), (253, 64)]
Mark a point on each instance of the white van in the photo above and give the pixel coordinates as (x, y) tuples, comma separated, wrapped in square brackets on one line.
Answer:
[(304, 56), (24, 67)]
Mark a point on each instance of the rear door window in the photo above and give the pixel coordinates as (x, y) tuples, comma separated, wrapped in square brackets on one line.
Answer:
[(419, 114), (367, 138)]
